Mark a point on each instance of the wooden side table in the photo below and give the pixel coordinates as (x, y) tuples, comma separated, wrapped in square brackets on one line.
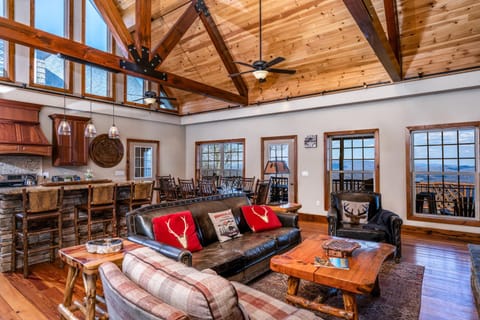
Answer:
[(79, 260), (289, 207)]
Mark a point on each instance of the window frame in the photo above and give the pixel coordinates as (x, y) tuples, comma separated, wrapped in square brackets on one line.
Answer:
[(111, 80), (410, 187), (326, 157), (131, 144), (147, 86), (198, 145), (68, 65), (10, 57)]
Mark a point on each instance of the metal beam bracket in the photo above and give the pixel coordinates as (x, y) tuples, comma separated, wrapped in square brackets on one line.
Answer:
[(200, 6), (134, 67)]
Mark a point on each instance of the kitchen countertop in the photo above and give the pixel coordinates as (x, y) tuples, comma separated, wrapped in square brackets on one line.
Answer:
[(76, 185)]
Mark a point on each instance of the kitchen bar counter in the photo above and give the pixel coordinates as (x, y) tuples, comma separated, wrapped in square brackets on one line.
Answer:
[(67, 185), (74, 194)]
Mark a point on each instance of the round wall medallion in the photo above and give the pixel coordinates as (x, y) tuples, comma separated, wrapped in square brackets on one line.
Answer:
[(106, 152)]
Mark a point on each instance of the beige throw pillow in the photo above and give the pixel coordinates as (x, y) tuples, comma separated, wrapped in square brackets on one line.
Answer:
[(225, 226)]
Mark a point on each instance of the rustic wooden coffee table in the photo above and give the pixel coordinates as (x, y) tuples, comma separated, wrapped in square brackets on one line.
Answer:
[(360, 278), (79, 260)]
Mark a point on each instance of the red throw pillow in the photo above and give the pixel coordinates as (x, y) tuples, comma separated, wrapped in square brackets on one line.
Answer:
[(260, 218), (178, 230)]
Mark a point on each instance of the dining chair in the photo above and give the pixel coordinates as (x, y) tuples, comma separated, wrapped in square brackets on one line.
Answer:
[(187, 188)]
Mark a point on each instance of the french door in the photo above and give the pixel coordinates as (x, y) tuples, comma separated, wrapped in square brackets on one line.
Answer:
[(281, 148)]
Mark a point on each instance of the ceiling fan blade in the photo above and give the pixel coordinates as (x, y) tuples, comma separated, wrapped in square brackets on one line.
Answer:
[(244, 64), (138, 99), (166, 98), (287, 71), (239, 73), (274, 61)]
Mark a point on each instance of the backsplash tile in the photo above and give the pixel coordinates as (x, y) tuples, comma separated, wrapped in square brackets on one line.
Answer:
[(20, 164)]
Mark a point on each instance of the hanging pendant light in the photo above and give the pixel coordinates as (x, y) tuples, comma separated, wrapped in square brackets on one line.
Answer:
[(64, 128), (113, 132), (90, 130)]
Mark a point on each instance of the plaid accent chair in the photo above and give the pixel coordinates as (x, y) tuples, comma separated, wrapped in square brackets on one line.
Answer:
[(152, 286)]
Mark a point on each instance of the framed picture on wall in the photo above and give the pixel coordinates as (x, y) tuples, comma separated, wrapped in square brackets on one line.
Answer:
[(310, 141)]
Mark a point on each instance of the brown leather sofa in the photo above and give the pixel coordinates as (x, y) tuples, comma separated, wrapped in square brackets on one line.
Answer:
[(240, 259)]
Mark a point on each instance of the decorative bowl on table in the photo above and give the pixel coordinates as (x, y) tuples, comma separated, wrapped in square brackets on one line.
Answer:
[(102, 246)]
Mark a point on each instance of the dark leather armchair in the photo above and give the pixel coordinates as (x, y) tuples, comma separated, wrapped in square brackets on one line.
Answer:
[(359, 215)]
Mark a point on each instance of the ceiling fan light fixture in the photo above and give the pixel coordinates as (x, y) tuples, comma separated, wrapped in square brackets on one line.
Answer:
[(260, 74), (150, 100)]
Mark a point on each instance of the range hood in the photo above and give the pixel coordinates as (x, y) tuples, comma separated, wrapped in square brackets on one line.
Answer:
[(20, 131)]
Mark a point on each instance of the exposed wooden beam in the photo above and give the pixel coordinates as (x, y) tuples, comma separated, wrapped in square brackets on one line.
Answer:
[(367, 20), (25, 35), (222, 50), (173, 36), (392, 27), (115, 24), (143, 24)]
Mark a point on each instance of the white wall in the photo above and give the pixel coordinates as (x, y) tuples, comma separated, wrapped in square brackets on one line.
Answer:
[(391, 116)]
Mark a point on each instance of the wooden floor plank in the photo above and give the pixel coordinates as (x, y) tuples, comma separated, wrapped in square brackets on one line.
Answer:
[(19, 303)]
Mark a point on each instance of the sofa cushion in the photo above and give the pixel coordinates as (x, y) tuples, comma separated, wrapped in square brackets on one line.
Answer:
[(127, 301), (200, 295), (225, 225), (178, 230), (214, 256), (261, 217), (357, 231), (259, 305), (285, 237)]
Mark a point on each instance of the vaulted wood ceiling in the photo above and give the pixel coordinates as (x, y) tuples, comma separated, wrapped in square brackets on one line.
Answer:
[(334, 45)]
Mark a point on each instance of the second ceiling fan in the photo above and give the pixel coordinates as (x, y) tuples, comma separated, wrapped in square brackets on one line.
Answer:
[(261, 68)]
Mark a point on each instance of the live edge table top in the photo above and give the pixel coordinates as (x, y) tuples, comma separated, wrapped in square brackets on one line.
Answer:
[(359, 278), (79, 257)]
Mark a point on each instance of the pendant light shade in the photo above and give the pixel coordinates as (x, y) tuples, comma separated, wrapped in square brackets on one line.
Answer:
[(90, 130), (64, 128), (113, 132)]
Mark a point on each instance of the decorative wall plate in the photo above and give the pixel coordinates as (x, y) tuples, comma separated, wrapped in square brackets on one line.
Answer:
[(106, 152)]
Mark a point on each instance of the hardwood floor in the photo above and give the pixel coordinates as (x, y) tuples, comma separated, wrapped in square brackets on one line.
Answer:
[(446, 292)]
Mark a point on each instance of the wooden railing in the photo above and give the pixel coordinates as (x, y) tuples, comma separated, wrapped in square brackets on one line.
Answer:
[(454, 199)]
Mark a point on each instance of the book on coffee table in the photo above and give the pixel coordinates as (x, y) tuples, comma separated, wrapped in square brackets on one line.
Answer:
[(332, 262)]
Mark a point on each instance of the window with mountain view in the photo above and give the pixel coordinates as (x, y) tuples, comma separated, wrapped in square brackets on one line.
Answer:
[(51, 16), (98, 82), (351, 159), (220, 158), (443, 172)]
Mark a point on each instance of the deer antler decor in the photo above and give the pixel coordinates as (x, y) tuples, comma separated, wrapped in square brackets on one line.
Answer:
[(263, 216), (181, 238)]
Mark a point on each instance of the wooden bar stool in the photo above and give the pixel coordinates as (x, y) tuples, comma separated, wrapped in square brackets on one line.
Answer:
[(99, 209), (141, 193), (38, 227)]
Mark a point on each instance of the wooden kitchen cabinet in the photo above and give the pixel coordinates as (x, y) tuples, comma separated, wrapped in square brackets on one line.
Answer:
[(69, 150)]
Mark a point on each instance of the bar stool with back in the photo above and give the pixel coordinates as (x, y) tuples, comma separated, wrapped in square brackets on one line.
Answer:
[(41, 224), (99, 209), (141, 193)]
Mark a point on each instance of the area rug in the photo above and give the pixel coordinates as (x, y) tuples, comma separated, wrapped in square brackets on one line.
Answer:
[(400, 285)]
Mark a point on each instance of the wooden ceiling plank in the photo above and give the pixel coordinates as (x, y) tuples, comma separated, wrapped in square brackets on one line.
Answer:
[(25, 35), (223, 51), (367, 20), (115, 24), (143, 24), (393, 27), (173, 36)]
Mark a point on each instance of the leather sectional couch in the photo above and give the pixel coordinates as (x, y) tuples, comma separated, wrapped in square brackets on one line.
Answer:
[(241, 259)]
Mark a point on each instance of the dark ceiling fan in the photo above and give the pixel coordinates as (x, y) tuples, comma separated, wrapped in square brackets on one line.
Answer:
[(260, 67), (151, 97)]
